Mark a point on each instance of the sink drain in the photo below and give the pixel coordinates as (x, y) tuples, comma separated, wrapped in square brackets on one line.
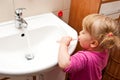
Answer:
[(29, 56)]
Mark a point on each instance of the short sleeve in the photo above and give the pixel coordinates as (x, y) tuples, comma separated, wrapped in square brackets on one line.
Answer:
[(77, 62)]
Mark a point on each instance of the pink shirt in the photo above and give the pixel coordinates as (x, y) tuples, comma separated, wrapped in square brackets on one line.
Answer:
[(87, 65)]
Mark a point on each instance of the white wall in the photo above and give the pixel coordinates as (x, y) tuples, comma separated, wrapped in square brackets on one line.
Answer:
[(33, 7)]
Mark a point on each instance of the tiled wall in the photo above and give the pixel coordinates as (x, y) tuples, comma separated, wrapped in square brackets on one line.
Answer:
[(33, 7), (6, 10)]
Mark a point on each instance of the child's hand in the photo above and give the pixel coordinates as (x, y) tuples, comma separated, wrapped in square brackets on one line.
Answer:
[(65, 40)]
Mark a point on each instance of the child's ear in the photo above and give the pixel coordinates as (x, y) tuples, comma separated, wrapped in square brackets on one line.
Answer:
[(94, 44)]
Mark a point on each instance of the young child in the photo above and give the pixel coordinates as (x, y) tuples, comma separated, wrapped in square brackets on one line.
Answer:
[(99, 34)]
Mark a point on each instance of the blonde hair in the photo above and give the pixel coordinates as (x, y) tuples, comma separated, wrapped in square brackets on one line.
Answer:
[(105, 29)]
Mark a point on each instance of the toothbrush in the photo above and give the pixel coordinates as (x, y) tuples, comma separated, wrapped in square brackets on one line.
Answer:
[(71, 40)]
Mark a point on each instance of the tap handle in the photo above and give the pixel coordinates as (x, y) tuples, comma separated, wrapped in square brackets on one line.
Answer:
[(19, 11)]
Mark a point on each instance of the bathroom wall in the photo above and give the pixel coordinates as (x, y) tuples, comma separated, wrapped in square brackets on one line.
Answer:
[(33, 7), (6, 10)]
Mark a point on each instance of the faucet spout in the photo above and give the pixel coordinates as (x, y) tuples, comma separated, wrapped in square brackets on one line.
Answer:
[(21, 23)]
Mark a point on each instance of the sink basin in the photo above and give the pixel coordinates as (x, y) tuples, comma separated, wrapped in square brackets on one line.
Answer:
[(35, 48)]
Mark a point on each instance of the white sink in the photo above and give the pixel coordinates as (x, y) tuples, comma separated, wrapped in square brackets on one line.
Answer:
[(34, 49)]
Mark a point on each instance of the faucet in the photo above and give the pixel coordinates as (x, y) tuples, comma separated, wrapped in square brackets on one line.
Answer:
[(20, 22)]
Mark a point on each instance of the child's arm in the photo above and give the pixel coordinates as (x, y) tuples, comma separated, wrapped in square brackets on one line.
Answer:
[(63, 55)]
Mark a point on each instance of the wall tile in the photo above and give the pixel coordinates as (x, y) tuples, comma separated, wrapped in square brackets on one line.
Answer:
[(66, 4), (65, 17), (6, 10)]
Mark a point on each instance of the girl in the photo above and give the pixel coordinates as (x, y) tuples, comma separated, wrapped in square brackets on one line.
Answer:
[(99, 34)]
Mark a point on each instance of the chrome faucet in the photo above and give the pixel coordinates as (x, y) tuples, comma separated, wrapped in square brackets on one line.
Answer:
[(20, 22)]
